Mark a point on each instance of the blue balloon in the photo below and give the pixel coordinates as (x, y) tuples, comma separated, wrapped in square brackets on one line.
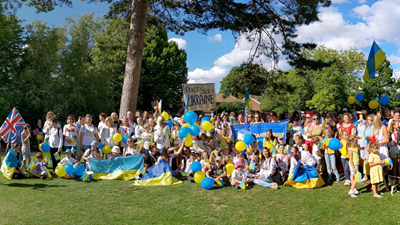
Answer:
[(78, 171), (359, 97), (398, 96), (100, 146), (384, 100), (45, 147), (260, 144), (194, 130), (196, 166), (183, 132), (69, 169), (334, 144), (190, 117), (169, 123), (248, 139), (207, 183), (205, 119), (79, 126), (124, 138)]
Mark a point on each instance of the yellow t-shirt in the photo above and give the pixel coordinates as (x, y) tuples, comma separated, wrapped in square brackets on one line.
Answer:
[(327, 149), (356, 157), (343, 150)]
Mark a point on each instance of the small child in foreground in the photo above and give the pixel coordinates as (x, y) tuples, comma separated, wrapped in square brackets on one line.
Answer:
[(69, 160), (40, 167)]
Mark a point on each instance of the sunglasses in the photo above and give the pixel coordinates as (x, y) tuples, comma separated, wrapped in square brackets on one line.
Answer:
[(307, 117), (339, 118), (315, 119), (129, 141)]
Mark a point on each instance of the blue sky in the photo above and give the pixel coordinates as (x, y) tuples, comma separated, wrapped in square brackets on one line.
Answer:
[(346, 24)]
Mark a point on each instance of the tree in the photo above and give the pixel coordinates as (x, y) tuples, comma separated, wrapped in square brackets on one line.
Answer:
[(230, 107), (251, 76), (324, 89), (263, 21)]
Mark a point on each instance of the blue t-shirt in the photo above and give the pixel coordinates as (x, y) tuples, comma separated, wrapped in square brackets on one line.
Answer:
[(38, 166)]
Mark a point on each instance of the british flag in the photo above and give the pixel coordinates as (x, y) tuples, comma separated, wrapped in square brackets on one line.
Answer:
[(13, 123)]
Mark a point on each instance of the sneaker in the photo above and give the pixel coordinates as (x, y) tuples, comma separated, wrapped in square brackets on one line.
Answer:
[(356, 192), (274, 186), (347, 183), (353, 196), (237, 187), (377, 196), (338, 181), (351, 192)]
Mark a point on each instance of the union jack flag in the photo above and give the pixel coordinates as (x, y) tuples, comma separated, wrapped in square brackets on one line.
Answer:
[(13, 123)]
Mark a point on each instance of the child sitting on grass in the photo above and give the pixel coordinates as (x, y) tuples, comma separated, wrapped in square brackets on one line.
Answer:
[(69, 160), (238, 175), (40, 167)]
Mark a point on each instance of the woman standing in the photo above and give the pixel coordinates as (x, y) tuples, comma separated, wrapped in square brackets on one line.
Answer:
[(382, 138), (88, 134), (347, 125), (55, 136), (316, 128), (240, 119), (268, 169), (107, 133), (257, 118), (126, 129), (70, 136)]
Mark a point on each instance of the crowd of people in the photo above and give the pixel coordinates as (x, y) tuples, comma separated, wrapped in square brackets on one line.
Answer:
[(367, 140)]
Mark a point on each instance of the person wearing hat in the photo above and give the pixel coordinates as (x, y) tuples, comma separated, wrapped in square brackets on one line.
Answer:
[(238, 175), (115, 152), (93, 152), (69, 160), (217, 171)]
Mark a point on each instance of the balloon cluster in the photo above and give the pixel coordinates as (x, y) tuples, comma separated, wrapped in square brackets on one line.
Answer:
[(373, 104), (69, 169), (247, 140), (190, 128)]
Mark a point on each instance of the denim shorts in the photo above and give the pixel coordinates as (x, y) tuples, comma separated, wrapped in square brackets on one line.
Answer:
[(351, 170)]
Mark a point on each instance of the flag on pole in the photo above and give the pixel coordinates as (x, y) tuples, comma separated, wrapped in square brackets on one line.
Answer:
[(375, 59), (247, 106), (12, 127), (186, 102), (47, 159), (73, 140), (159, 106), (56, 156), (242, 185), (31, 166)]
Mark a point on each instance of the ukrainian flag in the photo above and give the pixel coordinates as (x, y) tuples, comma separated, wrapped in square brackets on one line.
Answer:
[(242, 185), (375, 59), (159, 175), (358, 177), (304, 179), (123, 168), (10, 164), (31, 166)]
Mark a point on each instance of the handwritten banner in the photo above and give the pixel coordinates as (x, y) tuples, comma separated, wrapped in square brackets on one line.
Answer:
[(201, 96)]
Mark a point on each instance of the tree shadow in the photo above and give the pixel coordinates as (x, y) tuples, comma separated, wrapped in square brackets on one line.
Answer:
[(34, 186)]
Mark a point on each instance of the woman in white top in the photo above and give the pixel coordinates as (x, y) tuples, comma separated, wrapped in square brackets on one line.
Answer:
[(102, 118), (88, 133), (362, 124), (268, 169), (47, 124), (139, 129), (382, 138), (70, 133), (107, 132), (55, 136), (125, 129)]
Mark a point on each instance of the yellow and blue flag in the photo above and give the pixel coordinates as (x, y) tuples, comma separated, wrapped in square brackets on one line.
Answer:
[(73, 140), (289, 126), (220, 182), (358, 177), (252, 166), (306, 178), (247, 106), (287, 149), (186, 102), (23, 168), (31, 166), (56, 156), (47, 159), (118, 168), (375, 59), (303, 131), (242, 185), (185, 174), (10, 164), (325, 141), (158, 175)]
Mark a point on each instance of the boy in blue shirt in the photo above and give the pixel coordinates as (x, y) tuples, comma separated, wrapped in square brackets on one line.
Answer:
[(40, 165)]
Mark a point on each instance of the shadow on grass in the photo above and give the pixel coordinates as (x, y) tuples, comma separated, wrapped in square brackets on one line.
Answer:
[(34, 186)]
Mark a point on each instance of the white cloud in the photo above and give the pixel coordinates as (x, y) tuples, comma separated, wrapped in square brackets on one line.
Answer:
[(213, 75), (361, 1), (181, 43), (394, 59), (217, 37), (375, 24)]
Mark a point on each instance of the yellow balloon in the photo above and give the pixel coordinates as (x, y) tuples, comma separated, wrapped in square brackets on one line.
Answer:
[(60, 171), (186, 125), (373, 104), (117, 137), (40, 147), (240, 146), (351, 100), (39, 137), (165, 115), (188, 140), (106, 149), (229, 168), (343, 150), (198, 177), (206, 125)]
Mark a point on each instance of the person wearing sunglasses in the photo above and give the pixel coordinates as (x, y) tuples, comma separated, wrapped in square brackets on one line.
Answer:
[(316, 128)]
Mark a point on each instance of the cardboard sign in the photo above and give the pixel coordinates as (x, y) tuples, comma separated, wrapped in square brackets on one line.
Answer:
[(201, 96)]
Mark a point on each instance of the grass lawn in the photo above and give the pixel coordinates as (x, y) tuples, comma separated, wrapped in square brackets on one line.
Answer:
[(60, 201)]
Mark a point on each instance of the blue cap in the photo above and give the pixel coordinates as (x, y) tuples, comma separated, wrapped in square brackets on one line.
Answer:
[(68, 151), (95, 143), (162, 149)]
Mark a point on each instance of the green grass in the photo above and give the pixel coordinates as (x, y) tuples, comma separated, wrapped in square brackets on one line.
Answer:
[(60, 201)]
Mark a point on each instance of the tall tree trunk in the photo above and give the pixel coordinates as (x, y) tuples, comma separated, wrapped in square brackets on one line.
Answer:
[(134, 57)]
